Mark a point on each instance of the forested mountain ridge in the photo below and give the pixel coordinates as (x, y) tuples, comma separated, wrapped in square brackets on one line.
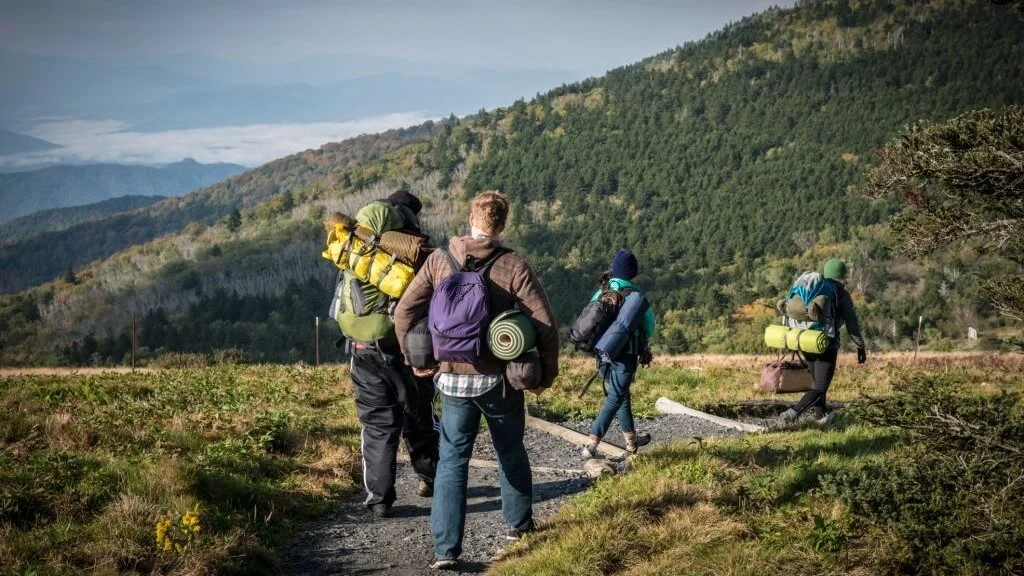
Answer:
[(57, 219), (724, 164), (47, 255)]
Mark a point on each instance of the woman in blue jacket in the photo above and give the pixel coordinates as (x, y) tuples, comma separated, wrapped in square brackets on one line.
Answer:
[(618, 374)]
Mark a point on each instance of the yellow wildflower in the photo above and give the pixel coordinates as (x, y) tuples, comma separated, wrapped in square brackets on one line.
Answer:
[(177, 533)]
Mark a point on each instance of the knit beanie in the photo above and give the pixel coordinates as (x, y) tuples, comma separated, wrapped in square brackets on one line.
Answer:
[(834, 269), (407, 199), (624, 265)]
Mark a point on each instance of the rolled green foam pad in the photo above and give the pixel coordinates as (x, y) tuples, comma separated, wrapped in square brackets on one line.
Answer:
[(511, 333)]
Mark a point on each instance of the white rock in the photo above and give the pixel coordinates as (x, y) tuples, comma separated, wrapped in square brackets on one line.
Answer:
[(595, 468)]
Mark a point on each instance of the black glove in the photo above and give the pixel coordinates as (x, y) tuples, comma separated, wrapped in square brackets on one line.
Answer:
[(862, 355), (645, 357)]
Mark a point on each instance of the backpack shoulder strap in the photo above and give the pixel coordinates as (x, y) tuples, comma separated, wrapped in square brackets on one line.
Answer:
[(484, 266), (451, 261)]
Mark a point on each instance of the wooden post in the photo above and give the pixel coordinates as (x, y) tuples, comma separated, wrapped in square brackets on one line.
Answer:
[(133, 341), (316, 338), (917, 344)]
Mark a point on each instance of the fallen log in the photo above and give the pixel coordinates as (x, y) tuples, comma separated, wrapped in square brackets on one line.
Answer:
[(572, 436), (666, 406)]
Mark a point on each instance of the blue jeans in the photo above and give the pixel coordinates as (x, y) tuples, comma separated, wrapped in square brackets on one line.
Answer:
[(617, 378), (460, 421)]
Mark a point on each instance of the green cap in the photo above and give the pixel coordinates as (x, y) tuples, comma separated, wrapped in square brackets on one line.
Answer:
[(834, 269)]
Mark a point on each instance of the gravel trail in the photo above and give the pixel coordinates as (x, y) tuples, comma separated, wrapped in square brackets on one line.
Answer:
[(352, 542)]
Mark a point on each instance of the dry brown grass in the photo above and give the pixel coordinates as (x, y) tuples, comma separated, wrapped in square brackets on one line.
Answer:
[(77, 371), (925, 360), (62, 433)]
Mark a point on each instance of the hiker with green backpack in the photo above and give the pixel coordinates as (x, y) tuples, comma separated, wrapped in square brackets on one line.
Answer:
[(461, 290), (822, 303), (390, 401), (616, 326)]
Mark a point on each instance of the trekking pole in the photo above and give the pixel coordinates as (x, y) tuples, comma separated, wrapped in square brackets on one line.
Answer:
[(587, 385)]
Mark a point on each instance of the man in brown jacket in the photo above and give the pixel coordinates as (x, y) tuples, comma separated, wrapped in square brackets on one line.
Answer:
[(471, 390)]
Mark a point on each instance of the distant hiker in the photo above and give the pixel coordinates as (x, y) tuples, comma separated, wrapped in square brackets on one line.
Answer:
[(390, 401), (618, 369), (838, 310), (471, 381)]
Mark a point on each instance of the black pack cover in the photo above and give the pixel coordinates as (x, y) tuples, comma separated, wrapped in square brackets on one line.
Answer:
[(592, 322), (419, 346)]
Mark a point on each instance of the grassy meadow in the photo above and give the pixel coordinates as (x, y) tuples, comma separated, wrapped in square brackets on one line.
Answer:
[(213, 470), (172, 471), (922, 475)]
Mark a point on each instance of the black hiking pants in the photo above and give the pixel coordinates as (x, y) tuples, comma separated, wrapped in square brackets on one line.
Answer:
[(823, 367), (390, 403)]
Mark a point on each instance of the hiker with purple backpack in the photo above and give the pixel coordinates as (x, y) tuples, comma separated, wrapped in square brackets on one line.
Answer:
[(461, 289)]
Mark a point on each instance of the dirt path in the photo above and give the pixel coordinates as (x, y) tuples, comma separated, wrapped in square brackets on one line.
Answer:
[(352, 542)]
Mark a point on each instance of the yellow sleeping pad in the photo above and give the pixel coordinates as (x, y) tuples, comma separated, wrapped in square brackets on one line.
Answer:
[(796, 339), (367, 262)]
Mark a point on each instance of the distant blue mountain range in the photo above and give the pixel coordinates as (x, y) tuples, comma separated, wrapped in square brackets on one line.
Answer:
[(14, 143), (23, 193), (57, 219)]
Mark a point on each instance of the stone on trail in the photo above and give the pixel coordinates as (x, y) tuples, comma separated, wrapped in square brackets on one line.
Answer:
[(597, 467)]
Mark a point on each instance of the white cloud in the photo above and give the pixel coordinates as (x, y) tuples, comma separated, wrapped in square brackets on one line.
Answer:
[(111, 141)]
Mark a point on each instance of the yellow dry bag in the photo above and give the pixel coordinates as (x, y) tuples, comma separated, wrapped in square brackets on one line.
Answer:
[(367, 262)]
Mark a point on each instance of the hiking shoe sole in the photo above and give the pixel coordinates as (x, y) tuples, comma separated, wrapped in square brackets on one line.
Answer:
[(641, 440), (444, 564), (424, 490)]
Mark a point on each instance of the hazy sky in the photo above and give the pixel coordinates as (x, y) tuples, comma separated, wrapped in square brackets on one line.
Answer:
[(583, 35), (548, 38)]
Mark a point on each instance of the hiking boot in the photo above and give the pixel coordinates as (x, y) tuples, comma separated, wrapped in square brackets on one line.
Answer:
[(788, 416), (425, 489), (444, 564), (380, 510), (827, 419), (590, 450), (514, 534), (634, 441)]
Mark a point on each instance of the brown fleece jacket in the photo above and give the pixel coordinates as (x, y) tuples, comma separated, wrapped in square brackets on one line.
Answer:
[(510, 282)]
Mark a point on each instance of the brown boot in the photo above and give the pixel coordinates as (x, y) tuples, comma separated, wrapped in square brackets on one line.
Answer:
[(634, 441), (590, 449)]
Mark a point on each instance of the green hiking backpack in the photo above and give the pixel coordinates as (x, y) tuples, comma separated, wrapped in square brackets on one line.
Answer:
[(364, 312)]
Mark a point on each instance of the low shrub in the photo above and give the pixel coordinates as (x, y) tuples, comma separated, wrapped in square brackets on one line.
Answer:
[(953, 495), (187, 360)]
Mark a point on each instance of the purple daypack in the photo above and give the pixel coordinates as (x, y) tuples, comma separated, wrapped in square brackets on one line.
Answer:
[(460, 312)]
